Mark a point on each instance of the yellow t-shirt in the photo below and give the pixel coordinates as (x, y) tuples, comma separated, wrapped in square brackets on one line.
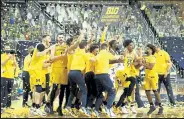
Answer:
[(80, 58), (8, 70), (102, 63), (90, 66), (161, 61), (152, 72), (27, 61)]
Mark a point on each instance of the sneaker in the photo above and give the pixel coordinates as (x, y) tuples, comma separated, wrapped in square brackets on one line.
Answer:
[(40, 112), (102, 110), (88, 110), (59, 110), (95, 114), (173, 105), (83, 111), (70, 111), (109, 112), (152, 109), (47, 109), (133, 110), (32, 111), (129, 99), (51, 110), (25, 105), (112, 113), (124, 110), (117, 110), (75, 111), (161, 109)]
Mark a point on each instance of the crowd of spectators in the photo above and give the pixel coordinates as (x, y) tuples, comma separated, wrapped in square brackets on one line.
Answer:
[(168, 19)]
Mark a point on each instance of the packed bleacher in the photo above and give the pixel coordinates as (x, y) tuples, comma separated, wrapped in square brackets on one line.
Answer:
[(167, 19)]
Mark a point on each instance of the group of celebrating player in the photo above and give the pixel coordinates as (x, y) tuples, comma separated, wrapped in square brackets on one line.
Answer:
[(76, 64)]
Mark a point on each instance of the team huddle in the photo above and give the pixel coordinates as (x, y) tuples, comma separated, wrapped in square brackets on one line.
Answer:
[(78, 70)]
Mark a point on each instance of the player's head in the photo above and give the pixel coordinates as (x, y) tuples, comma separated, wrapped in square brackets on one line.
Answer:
[(46, 40), (113, 44), (150, 49), (83, 44), (129, 45), (60, 38), (94, 49), (158, 47), (103, 46), (40, 47)]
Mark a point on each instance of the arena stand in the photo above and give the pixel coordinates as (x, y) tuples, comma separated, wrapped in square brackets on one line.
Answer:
[(167, 19)]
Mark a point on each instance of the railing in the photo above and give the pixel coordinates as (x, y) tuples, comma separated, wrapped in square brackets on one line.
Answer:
[(61, 26)]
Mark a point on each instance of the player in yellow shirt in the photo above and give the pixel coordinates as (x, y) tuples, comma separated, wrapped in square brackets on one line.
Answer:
[(47, 70), (103, 81), (121, 76), (8, 66), (76, 76), (89, 77), (59, 72), (130, 61), (114, 49), (163, 66), (73, 45), (26, 76), (37, 75), (136, 71), (151, 78)]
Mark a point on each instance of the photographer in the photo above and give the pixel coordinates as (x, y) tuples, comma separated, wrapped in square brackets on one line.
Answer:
[(9, 66)]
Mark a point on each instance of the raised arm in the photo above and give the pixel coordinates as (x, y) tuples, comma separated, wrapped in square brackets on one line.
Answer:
[(104, 34), (43, 52), (76, 44), (55, 58)]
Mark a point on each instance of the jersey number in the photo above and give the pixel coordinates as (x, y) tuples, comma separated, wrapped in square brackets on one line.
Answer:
[(129, 62)]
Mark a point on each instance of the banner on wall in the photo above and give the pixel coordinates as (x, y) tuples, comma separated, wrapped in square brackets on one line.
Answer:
[(110, 15)]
